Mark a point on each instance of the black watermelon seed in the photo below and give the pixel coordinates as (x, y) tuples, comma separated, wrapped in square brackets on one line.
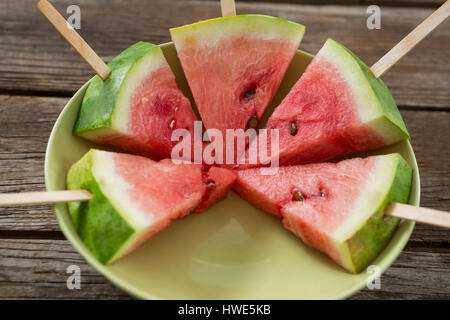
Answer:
[(298, 196), (293, 128), (323, 194), (252, 123), (248, 95)]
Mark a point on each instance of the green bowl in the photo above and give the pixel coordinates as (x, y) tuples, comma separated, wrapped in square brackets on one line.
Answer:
[(231, 251)]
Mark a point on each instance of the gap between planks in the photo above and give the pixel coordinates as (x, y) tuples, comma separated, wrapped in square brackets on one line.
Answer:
[(31, 235), (412, 246), (384, 3), (37, 93), (69, 94)]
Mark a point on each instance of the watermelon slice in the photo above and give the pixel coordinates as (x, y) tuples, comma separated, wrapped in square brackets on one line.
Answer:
[(138, 106), (134, 198), (234, 65), (336, 108), (334, 207)]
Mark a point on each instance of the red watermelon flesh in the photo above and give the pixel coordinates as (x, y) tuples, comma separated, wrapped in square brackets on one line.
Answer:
[(228, 93), (218, 182), (334, 207), (163, 191), (336, 108), (214, 183), (320, 102), (273, 192), (234, 66), (164, 180), (138, 107), (135, 197), (157, 109)]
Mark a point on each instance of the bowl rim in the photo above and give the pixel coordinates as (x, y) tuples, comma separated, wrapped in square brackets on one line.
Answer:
[(136, 292)]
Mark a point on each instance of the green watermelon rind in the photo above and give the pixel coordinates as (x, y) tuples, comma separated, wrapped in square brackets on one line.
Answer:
[(365, 245), (387, 102), (375, 104), (97, 112), (252, 25), (116, 234)]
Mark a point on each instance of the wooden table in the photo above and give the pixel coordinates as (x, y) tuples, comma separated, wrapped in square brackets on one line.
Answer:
[(39, 72)]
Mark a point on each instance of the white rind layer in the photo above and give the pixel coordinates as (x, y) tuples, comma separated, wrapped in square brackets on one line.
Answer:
[(345, 258), (340, 249), (118, 192), (124, 249), (371, 197), (97, 135), (373, 194), (140, 71), (210, 32)]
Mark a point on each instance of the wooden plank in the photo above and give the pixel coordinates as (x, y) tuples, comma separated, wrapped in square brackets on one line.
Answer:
[(403, 47), (35, 58), (394, 3), (414, 275), (26, 122), (74, 39), (25, 125), (36, 269)]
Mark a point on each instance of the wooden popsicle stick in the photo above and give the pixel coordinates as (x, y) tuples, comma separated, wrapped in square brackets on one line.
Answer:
[(423, 215), (228, 8), (399, 210), (411, 40), (46, 197), (75, 40)]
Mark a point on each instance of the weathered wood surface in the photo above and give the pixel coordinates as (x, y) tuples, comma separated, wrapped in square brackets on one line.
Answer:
[(396, 3), (37, 269), (35, 58)]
